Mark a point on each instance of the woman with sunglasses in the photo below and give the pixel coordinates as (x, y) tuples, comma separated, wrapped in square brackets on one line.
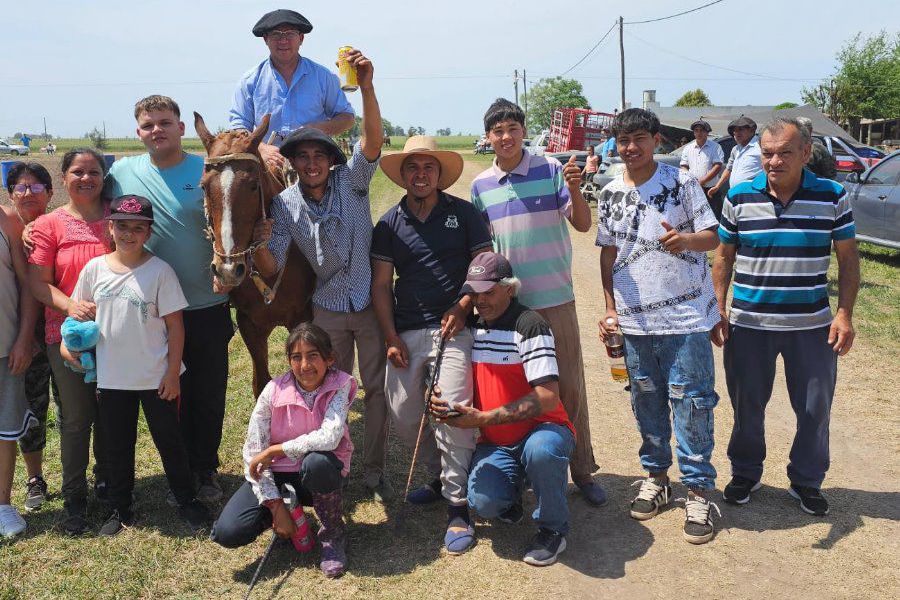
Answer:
[(30, 189), (63, 241)]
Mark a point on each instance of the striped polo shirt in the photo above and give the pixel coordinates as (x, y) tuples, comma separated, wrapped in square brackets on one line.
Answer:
[(783, 252), (510, 357), (527, 210)]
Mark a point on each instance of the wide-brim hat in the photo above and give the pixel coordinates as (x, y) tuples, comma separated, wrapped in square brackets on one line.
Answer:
[(451, 162), (311, 134), (282, 16), (741, 121), (701, 123)]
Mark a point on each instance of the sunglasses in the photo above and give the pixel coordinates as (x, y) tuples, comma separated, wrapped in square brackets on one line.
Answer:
[(36, 188), (290, 34)]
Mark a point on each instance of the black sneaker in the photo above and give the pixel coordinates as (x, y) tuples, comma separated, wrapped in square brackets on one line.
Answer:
[(811, 499), (513, 514), (545, 547), (650, 498), (116, 521), (208, 488), (35, 493), (738, 490), (698, 525), (195, 515), (76, 523)]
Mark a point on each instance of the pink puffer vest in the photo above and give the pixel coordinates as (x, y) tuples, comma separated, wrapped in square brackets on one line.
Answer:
[(291, 418)]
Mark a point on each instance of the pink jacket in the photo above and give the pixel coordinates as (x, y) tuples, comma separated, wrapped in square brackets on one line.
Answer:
[(291, 418)]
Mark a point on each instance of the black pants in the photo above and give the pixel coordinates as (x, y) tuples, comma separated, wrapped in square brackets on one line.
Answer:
[(243, 519), (203, 385), (118, 418), (810, 370)]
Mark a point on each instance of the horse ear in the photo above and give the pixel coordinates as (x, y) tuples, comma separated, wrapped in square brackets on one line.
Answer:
[(258, 133), (205, 136)]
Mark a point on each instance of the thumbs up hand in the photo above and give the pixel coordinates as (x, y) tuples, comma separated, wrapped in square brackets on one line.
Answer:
[(572, 173), (672, 240)]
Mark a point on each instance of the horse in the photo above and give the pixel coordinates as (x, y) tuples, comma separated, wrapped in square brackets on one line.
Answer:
[(237, 192)]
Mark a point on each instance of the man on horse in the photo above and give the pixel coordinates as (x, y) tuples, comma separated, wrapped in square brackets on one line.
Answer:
[(429, 239), (296, 91), (170, 178), (327, 215)]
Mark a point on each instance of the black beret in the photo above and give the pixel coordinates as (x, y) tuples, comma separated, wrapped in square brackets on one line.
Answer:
[(282, 16), (701, 123), (741, 121), (311, 134)]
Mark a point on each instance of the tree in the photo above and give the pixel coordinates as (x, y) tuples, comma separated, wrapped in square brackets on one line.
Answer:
[(549, 94), (866, 83), (445, 131), (398, 130), (786, 105), (97, 137), (694, 98)]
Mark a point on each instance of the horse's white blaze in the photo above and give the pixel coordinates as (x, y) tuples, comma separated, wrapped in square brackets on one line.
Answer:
[(225, 180)]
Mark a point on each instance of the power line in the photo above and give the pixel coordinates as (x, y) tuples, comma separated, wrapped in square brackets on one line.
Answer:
[(672, 16), (583, 58)]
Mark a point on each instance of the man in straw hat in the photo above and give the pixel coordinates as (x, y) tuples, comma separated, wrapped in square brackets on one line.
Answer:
[(297, 91), (428, 238), (327, 215)]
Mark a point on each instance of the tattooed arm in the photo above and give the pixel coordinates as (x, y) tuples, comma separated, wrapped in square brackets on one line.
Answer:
[(542, 398)]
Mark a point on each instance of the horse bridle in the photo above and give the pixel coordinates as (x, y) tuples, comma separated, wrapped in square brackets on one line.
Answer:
[(268, 293)]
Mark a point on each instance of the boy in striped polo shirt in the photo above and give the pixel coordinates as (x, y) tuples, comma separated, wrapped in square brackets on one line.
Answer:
[(777, 232), (527, 200)]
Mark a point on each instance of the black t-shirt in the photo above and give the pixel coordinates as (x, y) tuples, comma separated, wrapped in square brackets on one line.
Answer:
[(431, 258)]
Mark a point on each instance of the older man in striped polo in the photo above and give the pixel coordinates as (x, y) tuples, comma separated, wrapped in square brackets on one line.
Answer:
[(777, 232)]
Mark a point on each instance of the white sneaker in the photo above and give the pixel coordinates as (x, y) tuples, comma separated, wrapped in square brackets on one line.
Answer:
[(11, 522)]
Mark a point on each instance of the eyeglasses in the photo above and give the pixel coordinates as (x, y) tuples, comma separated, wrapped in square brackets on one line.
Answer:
[(290, 34), (36, 188)]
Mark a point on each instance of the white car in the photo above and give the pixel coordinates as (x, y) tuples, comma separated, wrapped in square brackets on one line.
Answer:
[(14, 149)]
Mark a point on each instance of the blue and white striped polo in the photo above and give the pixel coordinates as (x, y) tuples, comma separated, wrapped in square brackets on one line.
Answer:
[(783, 252)]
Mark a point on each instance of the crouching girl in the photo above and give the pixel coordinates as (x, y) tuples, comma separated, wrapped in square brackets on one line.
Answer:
[(297, 434)]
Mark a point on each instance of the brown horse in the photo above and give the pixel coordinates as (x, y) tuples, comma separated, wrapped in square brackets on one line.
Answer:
[(238, 190)]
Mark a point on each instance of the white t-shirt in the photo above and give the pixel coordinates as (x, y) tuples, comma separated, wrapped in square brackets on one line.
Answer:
[(133, 350), (658, 292), (700, 159)]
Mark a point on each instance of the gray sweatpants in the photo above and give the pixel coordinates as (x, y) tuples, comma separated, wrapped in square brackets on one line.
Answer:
[(444, 450), (810, 368)]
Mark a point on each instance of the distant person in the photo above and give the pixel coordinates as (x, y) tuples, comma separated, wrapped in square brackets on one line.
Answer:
[(526, 436), (654, 227), (170, 178), (138, 306), (745, 160), (703, 159), (529, 202), (30, 188), (782, 307), (18, 315), (821, 161), (26, 141), (591, 163), (295, 90), (608, 149), (428, 240)]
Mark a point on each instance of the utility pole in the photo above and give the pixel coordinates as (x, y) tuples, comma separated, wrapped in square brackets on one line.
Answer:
[(45, 128), (525, 93), (516, 84), (622, 61), (104, 129)]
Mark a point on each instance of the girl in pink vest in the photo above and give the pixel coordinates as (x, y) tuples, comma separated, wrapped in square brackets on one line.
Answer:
[(298, 434)]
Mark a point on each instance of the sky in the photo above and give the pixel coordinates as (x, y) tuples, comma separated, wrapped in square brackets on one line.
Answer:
[(83, 63)]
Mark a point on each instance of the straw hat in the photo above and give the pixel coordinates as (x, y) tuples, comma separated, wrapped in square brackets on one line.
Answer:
[(451, 162)]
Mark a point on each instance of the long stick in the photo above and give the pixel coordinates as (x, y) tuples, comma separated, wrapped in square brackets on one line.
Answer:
[(428, 394), (261, 563)]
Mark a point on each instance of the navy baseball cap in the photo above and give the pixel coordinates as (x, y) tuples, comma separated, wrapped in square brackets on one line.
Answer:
[(130, 207), (485, 271)]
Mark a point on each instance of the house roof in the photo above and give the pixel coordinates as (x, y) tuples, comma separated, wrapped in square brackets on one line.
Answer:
[(719, 116)]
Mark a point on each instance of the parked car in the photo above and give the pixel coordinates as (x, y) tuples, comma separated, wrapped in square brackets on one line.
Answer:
[(614, 167), (482, 146), (875, 200), (14, 149), (850, 157)]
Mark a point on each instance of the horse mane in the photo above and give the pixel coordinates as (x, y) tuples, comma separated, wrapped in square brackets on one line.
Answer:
[(238, 141)]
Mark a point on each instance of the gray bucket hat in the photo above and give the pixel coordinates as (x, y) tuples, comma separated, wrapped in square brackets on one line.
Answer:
[(311, 134)]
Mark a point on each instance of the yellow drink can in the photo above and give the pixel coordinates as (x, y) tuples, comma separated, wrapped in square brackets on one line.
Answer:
[(346, 72)]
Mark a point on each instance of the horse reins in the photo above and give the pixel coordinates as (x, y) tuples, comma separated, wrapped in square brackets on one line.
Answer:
[(268, 293)]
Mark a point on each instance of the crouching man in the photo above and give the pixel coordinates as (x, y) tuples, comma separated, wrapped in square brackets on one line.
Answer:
[(525, 432)]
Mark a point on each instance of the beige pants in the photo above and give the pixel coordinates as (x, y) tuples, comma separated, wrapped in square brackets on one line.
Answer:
[(444, 450), (563, 320), (361, 330)]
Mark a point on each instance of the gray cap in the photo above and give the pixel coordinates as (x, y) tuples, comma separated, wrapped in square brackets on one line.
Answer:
[(741, 121), (701, 123)]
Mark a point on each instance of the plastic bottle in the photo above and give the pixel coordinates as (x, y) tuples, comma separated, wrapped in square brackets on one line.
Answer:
[(302, 538), (615, 350)]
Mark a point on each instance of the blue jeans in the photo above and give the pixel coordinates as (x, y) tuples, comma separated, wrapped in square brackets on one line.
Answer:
[(676, 369), (498, 473)]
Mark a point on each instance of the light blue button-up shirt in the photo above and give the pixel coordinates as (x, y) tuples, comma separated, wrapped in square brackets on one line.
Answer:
[(313, 95), (745, 162)]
